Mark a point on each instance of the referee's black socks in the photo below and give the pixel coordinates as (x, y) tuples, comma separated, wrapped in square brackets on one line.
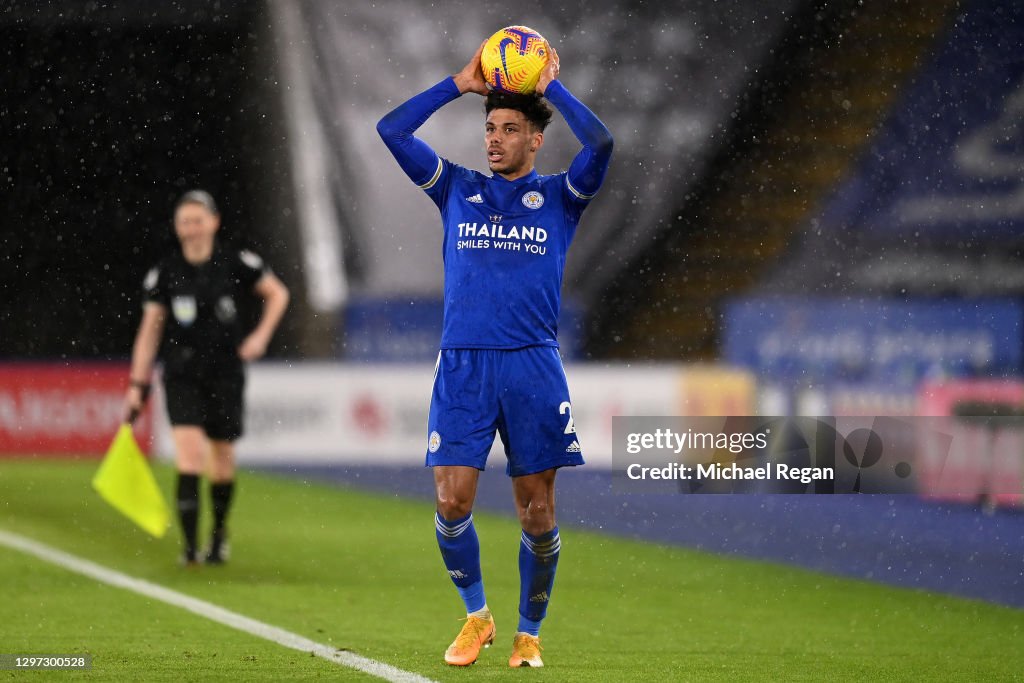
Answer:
[(188, 511), (220, 496)]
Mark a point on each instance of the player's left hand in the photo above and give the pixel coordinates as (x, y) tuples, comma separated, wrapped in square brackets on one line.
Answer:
[(550, 71), (253, 348)]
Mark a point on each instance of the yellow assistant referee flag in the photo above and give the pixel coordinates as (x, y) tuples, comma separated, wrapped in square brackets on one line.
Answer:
[(125, 481)]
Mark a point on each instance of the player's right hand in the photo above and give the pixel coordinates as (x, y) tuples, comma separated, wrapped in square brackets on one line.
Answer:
[(471, 78)]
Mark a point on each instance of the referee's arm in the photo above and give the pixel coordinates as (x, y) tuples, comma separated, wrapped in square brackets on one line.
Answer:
[(147, 341), (275, 301)]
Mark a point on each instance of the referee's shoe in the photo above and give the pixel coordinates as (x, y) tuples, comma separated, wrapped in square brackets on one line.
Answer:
[(219, 551)]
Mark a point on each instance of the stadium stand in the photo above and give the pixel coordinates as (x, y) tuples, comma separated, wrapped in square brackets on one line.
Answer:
[(914, 260), (836, 72), (933, 208)]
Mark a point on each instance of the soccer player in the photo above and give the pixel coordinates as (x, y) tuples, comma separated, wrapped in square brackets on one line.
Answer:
[(505, 238), (191, 302)]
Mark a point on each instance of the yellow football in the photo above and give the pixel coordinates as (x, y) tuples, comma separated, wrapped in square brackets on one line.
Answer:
[(513, 59)]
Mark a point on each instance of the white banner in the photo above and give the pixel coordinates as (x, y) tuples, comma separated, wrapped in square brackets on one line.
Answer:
[(333, 413)]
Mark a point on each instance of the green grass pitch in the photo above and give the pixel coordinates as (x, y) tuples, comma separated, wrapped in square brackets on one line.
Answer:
[(361, 571)]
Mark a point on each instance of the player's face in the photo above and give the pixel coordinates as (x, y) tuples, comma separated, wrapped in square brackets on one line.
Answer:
[(195, 223), (511, 143)]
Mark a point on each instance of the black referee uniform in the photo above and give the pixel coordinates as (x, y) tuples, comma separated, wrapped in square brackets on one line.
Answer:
[(204, 379)]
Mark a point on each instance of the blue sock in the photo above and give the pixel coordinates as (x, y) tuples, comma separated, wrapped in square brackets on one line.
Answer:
[(538, 559), (460, 550)]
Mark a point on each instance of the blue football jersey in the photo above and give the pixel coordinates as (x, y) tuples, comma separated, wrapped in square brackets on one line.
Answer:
[(504, 249)]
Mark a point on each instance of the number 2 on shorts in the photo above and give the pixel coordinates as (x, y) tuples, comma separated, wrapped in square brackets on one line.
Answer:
[(564, 408)]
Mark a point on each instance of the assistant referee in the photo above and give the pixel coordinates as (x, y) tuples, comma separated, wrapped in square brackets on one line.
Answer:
[(191, 303)]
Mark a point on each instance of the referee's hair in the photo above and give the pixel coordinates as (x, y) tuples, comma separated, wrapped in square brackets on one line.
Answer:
[(536, 110), (201, 197)]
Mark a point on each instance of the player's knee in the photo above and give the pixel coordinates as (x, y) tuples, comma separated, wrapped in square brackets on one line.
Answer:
[(190, 461), (222, 470), (453, 506), (223, 451), (537, 516)]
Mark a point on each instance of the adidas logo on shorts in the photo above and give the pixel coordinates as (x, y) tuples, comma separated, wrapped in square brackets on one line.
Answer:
[(574, 447)]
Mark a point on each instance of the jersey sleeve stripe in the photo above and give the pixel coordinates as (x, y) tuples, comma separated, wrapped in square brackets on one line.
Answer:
[(437, 174), (576, 192)]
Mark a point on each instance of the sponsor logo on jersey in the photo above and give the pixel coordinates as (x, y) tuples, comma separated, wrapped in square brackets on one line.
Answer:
[(533, 200), (528, 233), (225, 309), (475, 199), (522, 238), (184, 309), (434, 442), (574, 447)]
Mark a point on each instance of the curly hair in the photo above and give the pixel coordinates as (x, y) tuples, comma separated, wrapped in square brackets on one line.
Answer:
[(536, 110)]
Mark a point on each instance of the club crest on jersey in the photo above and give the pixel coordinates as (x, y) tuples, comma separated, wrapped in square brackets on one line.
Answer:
[(434, 442), (226, 309), (184, 309), (533, 200)]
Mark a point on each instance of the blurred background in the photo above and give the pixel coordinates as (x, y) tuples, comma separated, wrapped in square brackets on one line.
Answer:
[(814, 208)]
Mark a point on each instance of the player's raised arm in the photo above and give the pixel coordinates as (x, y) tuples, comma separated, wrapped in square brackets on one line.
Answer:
[(416, 158), (587, 171)]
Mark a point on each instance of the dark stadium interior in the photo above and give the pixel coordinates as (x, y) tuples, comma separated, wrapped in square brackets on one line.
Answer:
[(120, 107), (813, 223), (116, 108), (109, 116)]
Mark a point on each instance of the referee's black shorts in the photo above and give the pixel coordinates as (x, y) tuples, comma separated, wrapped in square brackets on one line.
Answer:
[(213, 402)]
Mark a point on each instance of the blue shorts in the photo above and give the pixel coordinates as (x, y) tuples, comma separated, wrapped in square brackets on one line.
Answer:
[(521, 394)]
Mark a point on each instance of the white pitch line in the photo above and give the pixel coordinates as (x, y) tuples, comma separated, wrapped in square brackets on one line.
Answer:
[(209, 610)]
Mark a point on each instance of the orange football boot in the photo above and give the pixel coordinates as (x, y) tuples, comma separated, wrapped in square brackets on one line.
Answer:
[(525, 651), (476, 633)]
